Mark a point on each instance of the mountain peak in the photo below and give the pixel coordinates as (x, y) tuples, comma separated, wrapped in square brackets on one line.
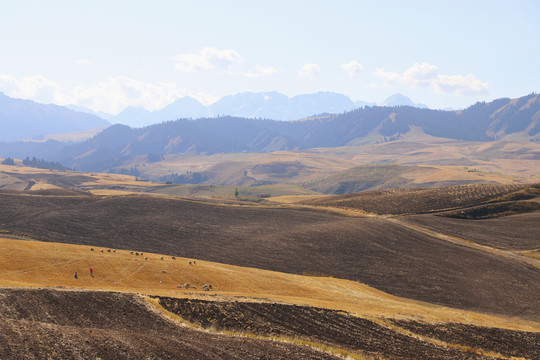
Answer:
[(401, 100)]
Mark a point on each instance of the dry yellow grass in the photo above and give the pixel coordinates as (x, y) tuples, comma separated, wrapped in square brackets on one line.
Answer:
[(44, 186), (291, 199), (311, 164), (433, 173), (37, 264)]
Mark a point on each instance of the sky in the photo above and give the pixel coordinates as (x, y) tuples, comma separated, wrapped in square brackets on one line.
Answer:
[(107, 55)]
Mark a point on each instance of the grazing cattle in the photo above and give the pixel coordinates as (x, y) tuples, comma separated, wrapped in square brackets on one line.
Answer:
[(179, 286), (114, 250), (91, 249), (194, 262), (109, 250), (207, 287), (164, 271), (137, 253), (173, 258), (189, 262), (101, 250), (186, 285), (162, 258), (131, 252), (145, 258)]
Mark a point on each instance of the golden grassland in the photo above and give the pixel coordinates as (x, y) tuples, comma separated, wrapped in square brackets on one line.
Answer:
[(39, 264), (436, 161)]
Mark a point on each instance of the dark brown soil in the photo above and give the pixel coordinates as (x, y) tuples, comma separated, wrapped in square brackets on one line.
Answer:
[(516, 232), (418, 201), (51, 324), (499, 209), (505, 342), (324, 326), (374, 251)]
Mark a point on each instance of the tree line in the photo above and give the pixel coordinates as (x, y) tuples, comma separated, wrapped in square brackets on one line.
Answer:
[(43, 164)]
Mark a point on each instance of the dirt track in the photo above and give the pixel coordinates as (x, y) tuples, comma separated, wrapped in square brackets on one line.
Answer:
[(516, 232), (52, 324), (387, 256)]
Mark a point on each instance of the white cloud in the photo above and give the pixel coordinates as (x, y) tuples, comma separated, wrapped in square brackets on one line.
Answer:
[(461, 85), (82, 62), (111, 95), (209, 59), (217, 61), (423, 75), (311, 71), (37, 88), (260, 71), (116, 93), (353, 68)]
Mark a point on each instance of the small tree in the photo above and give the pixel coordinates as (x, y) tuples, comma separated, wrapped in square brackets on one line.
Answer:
[(8, 161), (235, 192)]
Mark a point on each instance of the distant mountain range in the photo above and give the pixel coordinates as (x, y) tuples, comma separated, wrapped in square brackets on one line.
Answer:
[(263, 105), (500, 119), (22, 119), (26, 119)]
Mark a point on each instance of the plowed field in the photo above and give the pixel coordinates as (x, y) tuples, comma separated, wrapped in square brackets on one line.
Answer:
[(516, 232), (51, 324), (506, 342)]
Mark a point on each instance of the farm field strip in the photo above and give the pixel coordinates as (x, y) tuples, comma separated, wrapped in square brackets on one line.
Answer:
[(323, 328)]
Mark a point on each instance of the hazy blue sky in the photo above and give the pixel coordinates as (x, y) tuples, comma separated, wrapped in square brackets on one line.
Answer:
[(107, 55)]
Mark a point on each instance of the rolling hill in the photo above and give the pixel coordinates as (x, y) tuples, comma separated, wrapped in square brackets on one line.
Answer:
[(320, 279), (88, 317), (381, 253)]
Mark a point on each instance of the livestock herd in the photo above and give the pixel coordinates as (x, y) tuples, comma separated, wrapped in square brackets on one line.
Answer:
[(205, 287)]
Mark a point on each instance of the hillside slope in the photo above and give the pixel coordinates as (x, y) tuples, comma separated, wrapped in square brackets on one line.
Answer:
[(382, 254), (335, 313)]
